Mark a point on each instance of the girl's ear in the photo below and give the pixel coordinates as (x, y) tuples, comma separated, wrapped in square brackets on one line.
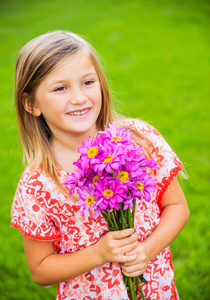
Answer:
[(32, 109)]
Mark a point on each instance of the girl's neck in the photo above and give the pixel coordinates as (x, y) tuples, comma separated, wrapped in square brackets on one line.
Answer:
[(65, 150)]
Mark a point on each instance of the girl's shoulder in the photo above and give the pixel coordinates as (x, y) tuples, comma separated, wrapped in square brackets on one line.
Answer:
[(36, 201), (32, 177), (168, 162), (35, 181), (143, 128), (147, 136), (37, 184)]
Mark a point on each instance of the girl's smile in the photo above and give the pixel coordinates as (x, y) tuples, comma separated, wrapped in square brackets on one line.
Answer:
[(79, 113)]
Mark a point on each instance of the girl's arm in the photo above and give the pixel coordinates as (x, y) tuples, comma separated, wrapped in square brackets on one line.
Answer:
[(173, 218), (49, 268)]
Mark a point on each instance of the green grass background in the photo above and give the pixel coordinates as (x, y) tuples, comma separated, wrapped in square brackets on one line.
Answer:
[(157, 55)]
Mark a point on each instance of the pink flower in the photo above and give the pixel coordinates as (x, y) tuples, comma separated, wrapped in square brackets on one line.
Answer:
[(87, 199), (144, 187), (117, 135), (110, 195), (111, 170), (89, 151), (109, 160), (132, 169), (75, 179)]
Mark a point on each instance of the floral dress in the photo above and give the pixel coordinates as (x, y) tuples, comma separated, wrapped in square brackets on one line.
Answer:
[(41, 212)]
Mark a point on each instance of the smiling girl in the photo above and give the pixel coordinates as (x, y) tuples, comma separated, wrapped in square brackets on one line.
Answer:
[(62, 98)]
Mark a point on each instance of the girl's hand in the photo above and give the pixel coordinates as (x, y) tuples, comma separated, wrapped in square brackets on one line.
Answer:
[(113, 245), (138, 266), (173, 217)]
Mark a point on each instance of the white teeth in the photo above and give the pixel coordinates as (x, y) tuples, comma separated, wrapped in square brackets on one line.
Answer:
[(79, 113)]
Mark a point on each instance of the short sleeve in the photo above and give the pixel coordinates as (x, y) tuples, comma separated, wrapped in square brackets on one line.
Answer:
[(168, 162), (29, 213)]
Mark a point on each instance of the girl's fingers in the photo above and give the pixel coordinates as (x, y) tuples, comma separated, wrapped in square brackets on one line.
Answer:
[(134, 274), (126, 259), (121, 234), (130, 252), (127, 241), (129, 247), (116, 244), (133, 270), (128, 270)]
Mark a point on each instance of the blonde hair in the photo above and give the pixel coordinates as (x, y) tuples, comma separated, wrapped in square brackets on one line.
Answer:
[(36, 60)]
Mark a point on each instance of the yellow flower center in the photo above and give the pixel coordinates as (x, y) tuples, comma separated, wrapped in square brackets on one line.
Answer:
[(108, 159), (95, 179), (140, 186), (90, 200), (123, 176), (92, 152), (108, 193), (116, 138)]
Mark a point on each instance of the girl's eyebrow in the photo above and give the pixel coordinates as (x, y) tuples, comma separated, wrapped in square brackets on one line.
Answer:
[(61, 80)]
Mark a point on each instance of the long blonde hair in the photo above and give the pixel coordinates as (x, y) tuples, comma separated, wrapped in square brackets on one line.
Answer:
[(36, 60)]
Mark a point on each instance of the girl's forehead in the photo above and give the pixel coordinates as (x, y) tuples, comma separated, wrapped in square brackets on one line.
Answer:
[(75, 65), (79, 60)]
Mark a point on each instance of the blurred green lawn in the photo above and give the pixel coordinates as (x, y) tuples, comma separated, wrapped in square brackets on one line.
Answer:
[(157, 55)]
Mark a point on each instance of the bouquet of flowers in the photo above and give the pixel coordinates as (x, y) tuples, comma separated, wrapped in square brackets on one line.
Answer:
[(112, 173)]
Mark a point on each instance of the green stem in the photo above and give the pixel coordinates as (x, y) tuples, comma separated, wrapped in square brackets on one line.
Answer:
[(133, 213), (143, 279), (122, 216), (139, 285), (136, 278), (114, 220), (107, 218), (131, 289), (113, 174), (130, 223)]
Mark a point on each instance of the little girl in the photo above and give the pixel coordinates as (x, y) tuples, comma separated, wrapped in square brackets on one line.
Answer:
[(62, 98)]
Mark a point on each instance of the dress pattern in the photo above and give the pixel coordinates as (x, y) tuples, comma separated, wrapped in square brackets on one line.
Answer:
[(42, 212)]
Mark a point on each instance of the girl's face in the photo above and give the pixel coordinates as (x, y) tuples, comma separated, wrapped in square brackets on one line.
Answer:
[(70, 98)]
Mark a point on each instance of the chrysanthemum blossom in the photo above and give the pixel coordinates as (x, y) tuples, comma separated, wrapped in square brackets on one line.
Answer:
[(89, 150), (111, 171), (87, 199), (128, 174), (118, 135), (144, 187), (109, 160), (75, 180), (110, 195)]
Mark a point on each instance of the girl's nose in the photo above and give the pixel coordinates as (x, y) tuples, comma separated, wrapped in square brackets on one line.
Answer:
[(78, 97), (78, 100)]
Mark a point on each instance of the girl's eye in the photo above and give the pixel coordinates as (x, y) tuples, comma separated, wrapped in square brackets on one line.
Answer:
[(59, 89), (88, 82)]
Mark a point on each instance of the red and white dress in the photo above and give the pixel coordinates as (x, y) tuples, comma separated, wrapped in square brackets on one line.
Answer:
[(40, 211)]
